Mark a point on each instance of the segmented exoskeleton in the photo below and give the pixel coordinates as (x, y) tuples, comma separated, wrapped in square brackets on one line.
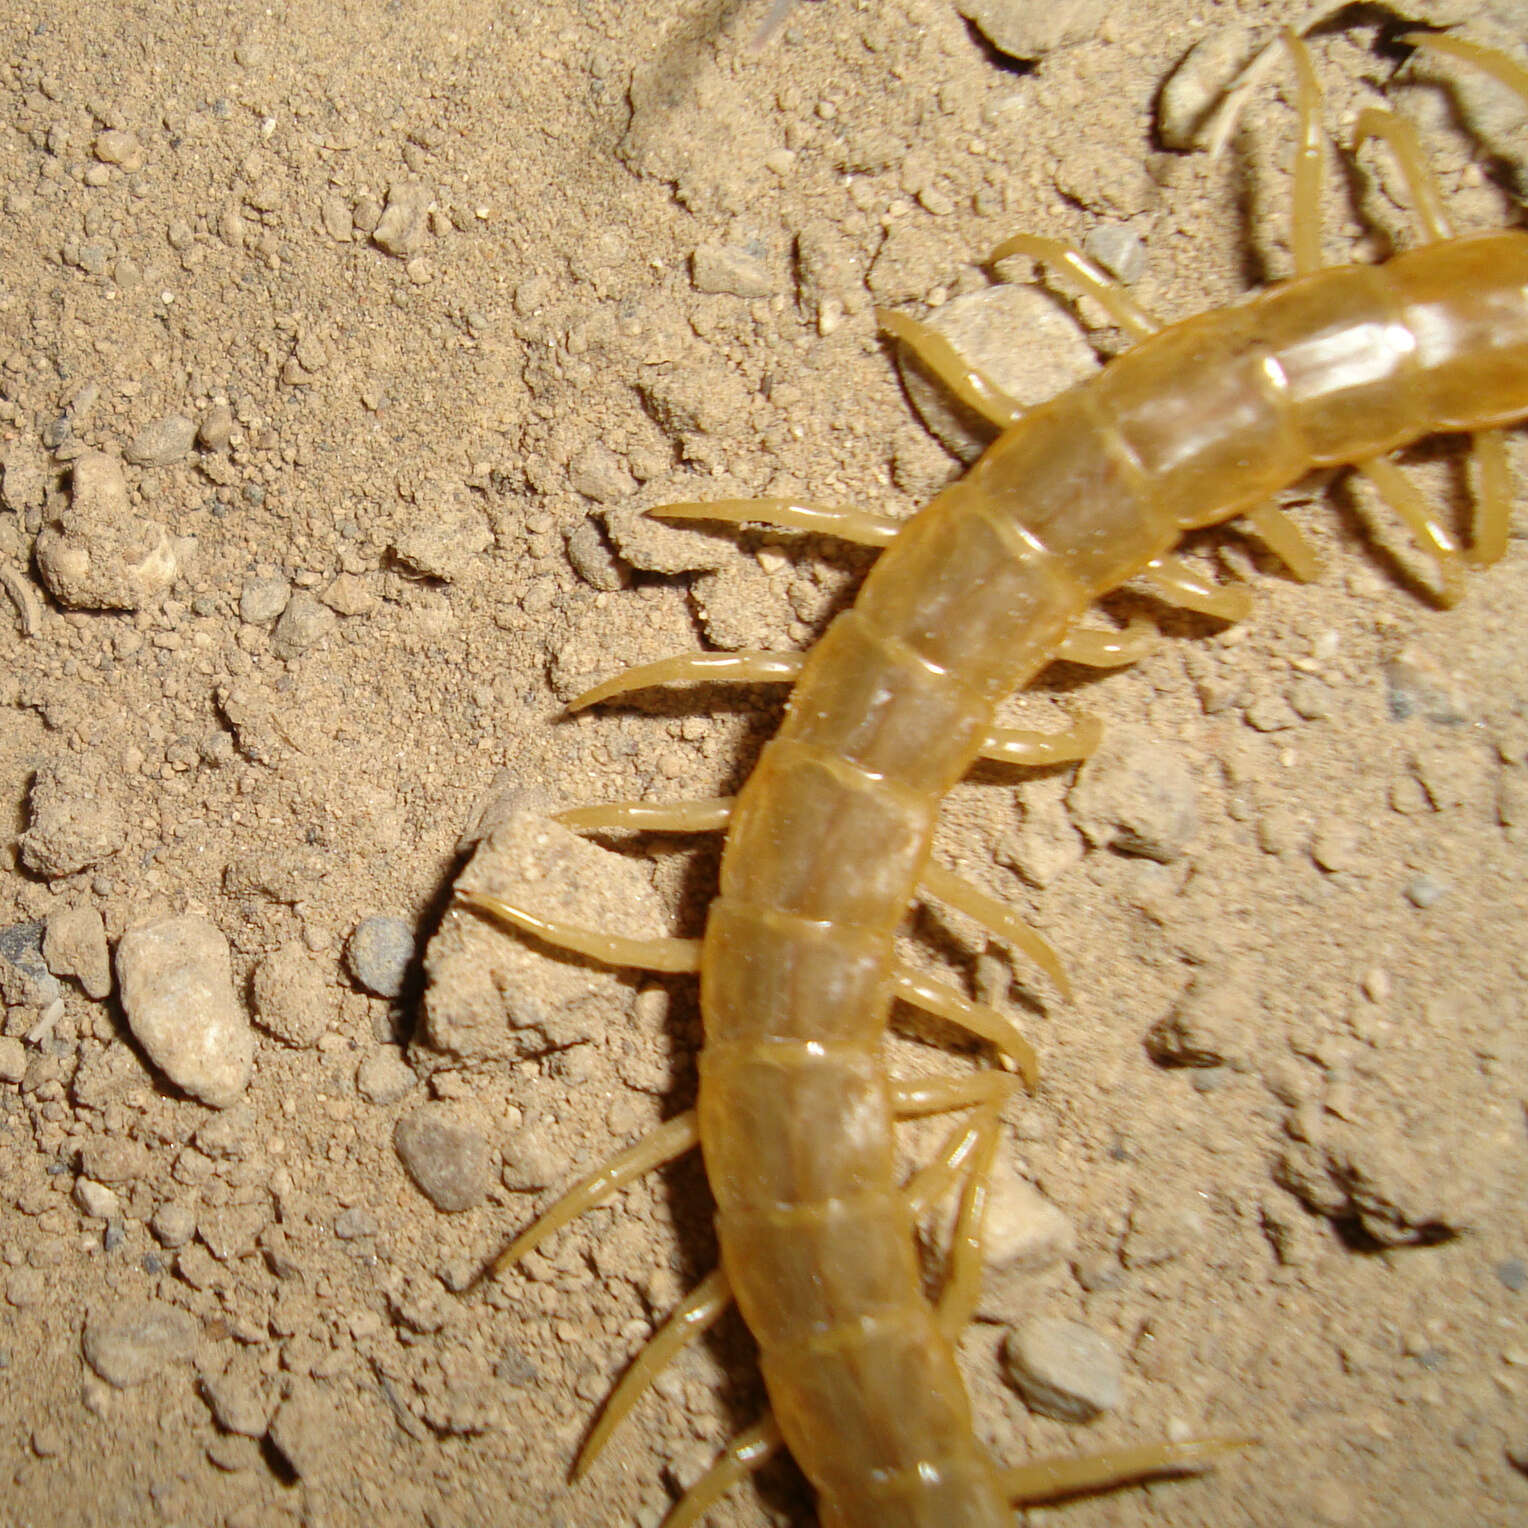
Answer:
[(829, 840)]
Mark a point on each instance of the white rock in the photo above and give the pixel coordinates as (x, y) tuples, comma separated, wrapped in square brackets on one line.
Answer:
[(176, 981)]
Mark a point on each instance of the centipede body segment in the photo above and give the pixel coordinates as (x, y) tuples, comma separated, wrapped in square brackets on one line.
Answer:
[(829, 840)]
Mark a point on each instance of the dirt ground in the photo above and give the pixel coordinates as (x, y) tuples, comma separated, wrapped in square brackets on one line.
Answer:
[(339, 345)]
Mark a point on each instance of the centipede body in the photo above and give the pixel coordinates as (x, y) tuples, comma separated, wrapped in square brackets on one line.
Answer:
[(834, 826)]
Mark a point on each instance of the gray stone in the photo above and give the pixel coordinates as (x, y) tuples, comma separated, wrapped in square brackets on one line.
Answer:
[(378, 954), (445, 1154)]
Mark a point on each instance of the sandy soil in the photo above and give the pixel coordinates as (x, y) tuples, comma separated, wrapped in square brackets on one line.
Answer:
[(448, 293)]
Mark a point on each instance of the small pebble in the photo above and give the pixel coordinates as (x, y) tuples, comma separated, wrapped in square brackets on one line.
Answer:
[(236, 1405), (96, 1200), (379, 954), (176, 981), (730, 268), (1337, 844), (384, 1077), (120, 148), (136, 1340), (263, 599), (75, 945), (1063, 1369), (1513, 1273), (1137, 795), (163, 442), (1118, 249), (72, 822), (173, 1224), (1426, 891), (446, 1155), (99, 552)]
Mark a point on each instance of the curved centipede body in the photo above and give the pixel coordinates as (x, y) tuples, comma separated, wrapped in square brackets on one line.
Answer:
[(829, 840)]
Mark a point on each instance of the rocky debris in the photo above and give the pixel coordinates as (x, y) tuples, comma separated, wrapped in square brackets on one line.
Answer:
[(1023, 30), (446, 534), (163, 442), (1063, 1369), (98, 552), (123, 149), (1136, 795), (1212, 1023), (75, 945), (493, 992), (174, 1224), (980, 326), (304, 623), (384, 1077), (591, 557), (134, 1341), (236, 1402), (741, 270), (1404, 1178), (1197, 86), (25, 980), (404, 226), (291, 999), (176, 982), (72, 822), (262, 600), (13, 1059), (446, 1155), (23, 477), (379, 952), (303, 1431), (599, 474)]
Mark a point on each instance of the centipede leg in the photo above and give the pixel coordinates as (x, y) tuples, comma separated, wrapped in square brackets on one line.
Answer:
[(985, 1022), (1174, 581), (1493, 497), (1285, 540), (700, 1310), (943, 362), (857, 525), (667, 1143), (1035, 750), (969, 1152), (1305, 219), (1430, 534), (1400, 136), (674, 956), (1048, 1480), (1108, 649), (746, 1453), (747, 668), (709, 816), (1083, 277), (996, 917)]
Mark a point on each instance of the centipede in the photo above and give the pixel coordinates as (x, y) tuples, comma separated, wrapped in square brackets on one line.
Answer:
[(829, 841)]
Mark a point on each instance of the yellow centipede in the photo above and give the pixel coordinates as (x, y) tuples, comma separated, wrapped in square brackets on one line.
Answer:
[(828, 842)]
